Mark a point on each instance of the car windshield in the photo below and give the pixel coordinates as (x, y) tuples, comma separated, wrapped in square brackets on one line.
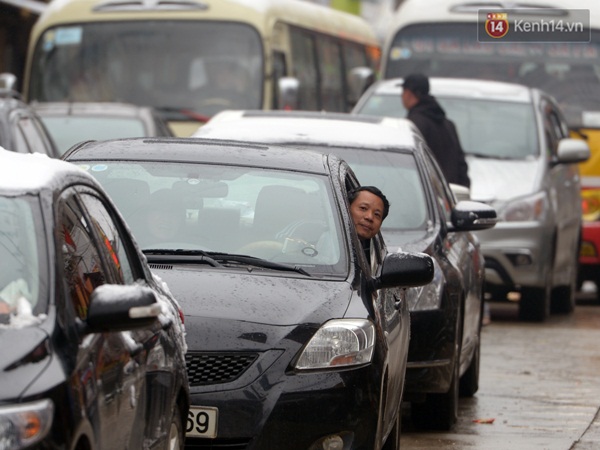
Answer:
[(220, 211), (179, 67), (569, 71), (397, 175), (22, 259), (486, 128), (69, 130)]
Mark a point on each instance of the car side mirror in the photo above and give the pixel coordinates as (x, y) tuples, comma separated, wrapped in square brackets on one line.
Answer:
[(405, 269), (359, 79), (572, 151), (469, 216), (287, 93), (119, 308)]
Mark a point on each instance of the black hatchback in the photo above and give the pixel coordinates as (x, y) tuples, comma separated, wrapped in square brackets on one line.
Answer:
[(92, 344), (297, 337)]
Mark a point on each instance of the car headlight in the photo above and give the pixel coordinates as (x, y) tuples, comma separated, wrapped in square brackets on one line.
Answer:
[(24, 425), (339, 343), (524, 209), (428, 297)]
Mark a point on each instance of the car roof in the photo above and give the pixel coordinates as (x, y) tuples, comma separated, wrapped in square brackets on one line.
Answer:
[(464, 88), (200, 150), (30, 173), (312, 128)]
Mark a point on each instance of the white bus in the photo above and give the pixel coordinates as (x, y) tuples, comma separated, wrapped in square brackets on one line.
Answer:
[(193, 58)]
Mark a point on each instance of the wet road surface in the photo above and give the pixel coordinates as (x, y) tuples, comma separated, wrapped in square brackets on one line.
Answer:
[(539, 386)]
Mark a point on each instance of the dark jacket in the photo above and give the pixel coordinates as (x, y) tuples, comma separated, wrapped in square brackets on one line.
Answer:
[(441, 137)]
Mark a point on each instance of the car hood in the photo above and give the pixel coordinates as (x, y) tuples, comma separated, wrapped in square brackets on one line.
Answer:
[(20, 365), (232, 303), (497, 180)]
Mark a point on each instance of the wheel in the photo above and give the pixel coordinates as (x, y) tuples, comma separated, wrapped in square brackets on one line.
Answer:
[(176, 438), (534, 305), (393, 440), (563, 297), (469, 382), (439, 412)]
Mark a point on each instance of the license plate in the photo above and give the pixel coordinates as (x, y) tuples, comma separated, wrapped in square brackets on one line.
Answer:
[(202, 422)]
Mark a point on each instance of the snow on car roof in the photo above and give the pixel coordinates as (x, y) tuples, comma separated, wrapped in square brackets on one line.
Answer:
[(31, 172)]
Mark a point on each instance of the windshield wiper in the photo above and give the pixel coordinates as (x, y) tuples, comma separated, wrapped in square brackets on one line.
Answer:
[(164, 255), (254, 261), (485, 156)]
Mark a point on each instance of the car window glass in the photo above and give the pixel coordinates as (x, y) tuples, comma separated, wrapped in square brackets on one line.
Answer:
[(443, 196), (22, 279), (111, 239), (32, 134), (332, 78), (82, 265)]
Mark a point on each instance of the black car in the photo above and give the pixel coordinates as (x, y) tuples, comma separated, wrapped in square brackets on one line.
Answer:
[(93, 347), (297, 337), (443, 358), (21, 129)]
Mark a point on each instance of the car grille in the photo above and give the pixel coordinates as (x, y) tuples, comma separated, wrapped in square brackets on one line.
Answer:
[(214, 368)]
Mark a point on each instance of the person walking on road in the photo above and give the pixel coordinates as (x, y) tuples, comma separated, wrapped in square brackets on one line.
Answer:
[(439, 132)]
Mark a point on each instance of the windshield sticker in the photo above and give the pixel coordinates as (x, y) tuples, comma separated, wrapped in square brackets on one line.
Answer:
[(99, 168), (68, 35), (85, 167)]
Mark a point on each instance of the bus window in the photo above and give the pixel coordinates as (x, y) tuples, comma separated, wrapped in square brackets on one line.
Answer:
[(305, 69), (332, 75)]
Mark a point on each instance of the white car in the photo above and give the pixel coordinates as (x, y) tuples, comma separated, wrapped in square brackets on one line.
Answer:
[(523, 163)]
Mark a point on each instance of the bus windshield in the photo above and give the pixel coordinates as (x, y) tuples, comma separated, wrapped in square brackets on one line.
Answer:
[(568, 71), (182, 68)]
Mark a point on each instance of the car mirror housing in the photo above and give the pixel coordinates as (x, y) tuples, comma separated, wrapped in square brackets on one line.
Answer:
[(404, 269), (469, 216), (120, 308), (572, 151)]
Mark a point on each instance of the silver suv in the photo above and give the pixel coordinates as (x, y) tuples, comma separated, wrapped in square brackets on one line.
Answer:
[(523, 163)]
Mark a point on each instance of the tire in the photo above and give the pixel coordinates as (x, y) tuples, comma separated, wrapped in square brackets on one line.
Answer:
[(393, 440), (469, 382), (438, 412), (534, 305), (175, 438)]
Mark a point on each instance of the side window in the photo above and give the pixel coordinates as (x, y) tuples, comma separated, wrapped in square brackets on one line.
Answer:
[(82, 265), (33, 135), (332, 76), (304, 68), (111, 240), (552, 129), (443, 196)]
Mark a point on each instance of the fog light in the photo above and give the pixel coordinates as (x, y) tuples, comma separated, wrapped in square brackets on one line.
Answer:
[(333, 443)]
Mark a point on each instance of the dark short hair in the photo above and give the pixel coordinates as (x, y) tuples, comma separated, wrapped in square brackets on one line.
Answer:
[(417, 83), (373, 190)]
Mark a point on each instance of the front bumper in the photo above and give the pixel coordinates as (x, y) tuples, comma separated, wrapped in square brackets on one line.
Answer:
[(517, 254), (293, 410)]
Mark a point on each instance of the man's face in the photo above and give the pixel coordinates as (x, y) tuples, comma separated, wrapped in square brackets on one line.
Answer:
[(367, 213)]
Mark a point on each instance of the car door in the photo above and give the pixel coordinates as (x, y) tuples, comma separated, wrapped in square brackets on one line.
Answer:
[(147, 383), (100, 358), (564, 192), (389, 309)]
